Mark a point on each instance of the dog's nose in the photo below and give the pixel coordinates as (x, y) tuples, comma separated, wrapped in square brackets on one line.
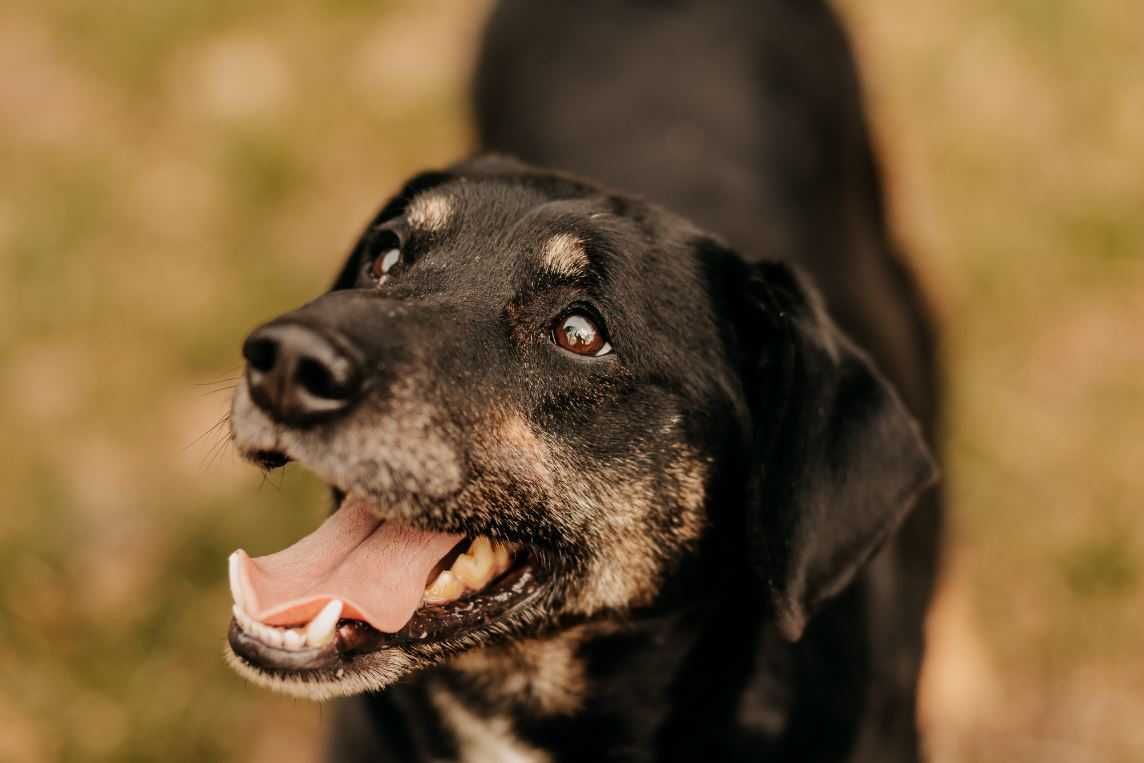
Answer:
[(298, 376)]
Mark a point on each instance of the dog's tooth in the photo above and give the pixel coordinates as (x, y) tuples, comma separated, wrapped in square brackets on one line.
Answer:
[(481, 549), (293, 639), (241, 618), (273, 636), (502, 557), (321, 629), (445, 588), (233, 568), (475, 567), (474, 572)]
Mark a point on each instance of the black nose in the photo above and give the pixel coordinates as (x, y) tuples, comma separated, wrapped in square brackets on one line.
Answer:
[(298, 376)]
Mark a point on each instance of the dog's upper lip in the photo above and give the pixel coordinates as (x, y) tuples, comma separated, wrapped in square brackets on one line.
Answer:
[(378, 570)]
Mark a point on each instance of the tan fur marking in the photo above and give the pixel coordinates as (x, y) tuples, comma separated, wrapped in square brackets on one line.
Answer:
[(629, 567), (483, 739), (564, 255), (545, 674), (515, 446), (517, 433), (430, 212)]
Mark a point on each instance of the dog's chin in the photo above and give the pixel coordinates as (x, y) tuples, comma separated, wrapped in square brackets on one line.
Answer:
[(322, 683)]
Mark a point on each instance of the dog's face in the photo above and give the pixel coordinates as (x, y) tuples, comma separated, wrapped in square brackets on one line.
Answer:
[(536, 402)]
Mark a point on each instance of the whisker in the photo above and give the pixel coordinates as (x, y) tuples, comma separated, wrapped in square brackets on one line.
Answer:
[(223, 380), (216, 450), (214, 427), (220, 383)]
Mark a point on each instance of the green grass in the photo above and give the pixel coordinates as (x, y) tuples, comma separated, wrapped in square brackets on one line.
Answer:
[(176, 173)]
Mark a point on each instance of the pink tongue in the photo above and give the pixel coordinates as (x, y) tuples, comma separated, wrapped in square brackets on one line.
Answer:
[(377, 569)]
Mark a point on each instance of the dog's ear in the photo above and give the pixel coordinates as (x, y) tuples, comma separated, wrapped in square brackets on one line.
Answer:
[(837, 460)]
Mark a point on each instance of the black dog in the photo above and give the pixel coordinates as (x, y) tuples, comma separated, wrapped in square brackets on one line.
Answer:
[(611, 484)]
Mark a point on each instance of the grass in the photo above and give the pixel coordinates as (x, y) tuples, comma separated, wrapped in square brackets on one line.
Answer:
[(187, 171)]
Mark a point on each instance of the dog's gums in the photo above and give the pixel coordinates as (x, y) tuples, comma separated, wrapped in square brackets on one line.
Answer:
[(346, 589)]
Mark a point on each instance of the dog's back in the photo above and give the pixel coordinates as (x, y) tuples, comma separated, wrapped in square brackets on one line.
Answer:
[(746, 117)]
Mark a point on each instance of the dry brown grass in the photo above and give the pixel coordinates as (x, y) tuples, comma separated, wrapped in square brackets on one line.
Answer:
[(174, 172)]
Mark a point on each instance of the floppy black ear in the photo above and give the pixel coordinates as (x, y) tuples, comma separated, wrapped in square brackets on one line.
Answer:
[(837, 459)]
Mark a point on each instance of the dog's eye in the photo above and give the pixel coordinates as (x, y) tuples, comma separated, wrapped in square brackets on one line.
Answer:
[(388, 247), (578, 333), (384, 263)]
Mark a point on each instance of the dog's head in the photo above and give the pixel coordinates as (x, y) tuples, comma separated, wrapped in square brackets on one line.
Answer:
[(539, 404)]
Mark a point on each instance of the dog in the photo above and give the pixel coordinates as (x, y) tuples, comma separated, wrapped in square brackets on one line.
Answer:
[(628, 419)]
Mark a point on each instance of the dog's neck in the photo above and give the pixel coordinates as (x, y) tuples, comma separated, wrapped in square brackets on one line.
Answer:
[(666, 687)]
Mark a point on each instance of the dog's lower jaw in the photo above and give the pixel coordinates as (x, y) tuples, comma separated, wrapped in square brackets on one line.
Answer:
[(386, 670)]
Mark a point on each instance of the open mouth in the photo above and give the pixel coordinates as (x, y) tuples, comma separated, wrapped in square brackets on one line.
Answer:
[(358, 584)]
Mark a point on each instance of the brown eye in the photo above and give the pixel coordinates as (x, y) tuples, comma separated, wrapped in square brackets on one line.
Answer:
[(579, 334)]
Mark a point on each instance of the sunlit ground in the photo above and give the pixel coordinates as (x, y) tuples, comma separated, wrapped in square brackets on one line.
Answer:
[(173, 173)]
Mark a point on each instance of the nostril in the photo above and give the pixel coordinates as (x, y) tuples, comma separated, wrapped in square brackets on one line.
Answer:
[(261, 354), (298, 375), (320, 380)]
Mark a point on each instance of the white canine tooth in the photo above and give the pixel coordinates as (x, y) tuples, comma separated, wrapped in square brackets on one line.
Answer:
[(293, 639), (234, 569), (320, 631), (445, 588)]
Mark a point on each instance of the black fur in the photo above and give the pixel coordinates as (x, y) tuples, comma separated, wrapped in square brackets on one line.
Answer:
[(791, 342)]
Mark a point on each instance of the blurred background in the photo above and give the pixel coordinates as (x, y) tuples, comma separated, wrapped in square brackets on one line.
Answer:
[(172, 173)]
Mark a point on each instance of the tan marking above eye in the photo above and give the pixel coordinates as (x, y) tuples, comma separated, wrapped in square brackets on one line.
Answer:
[(578, 333), (564, 255), (430, 212)]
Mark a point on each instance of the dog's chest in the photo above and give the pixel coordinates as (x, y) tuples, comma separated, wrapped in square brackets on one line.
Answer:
[(483, 739)]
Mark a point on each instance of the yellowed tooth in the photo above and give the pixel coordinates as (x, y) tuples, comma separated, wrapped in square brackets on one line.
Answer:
[(445, 588), (481, 550), (474, 572), (502, 558)]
